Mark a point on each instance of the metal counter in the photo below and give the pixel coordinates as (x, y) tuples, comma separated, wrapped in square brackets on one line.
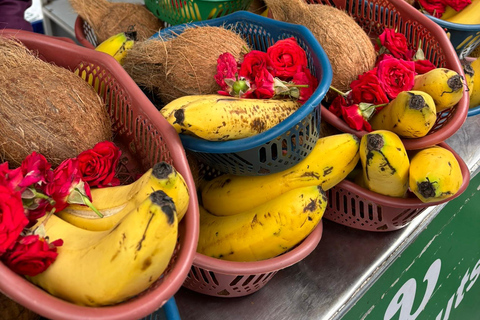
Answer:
[(346, 263)]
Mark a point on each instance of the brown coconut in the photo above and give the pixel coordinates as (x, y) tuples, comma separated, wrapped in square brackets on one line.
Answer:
[(45, 108), (183, 65), (348, 47), (110, 18)]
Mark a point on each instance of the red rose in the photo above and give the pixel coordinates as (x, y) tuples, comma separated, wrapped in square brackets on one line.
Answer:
[(336, 106), (253, 62), (227, 68), (423, 66), (32, 255), (354, 118), (12, 218), (457, 5), (264, 85), (286, 56), (35, 169), (367, 88), (395, 43), (10, 178), (304, 77), (434, 7), (396, 75), (98, 165)]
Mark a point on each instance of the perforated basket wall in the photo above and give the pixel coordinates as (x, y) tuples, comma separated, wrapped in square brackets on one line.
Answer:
[(376, 15), (284, 145), (175, 12), (353, 206), (229, 279), (145, 138)]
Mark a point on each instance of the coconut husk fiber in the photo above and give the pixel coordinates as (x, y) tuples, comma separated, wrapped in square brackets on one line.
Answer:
[(110, 18), (185, 64), (45, 108), (348, 47)]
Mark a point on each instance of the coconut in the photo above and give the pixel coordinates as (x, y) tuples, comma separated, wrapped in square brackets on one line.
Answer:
[(45, 108), (110, 18), (348, 47), (183, 65)]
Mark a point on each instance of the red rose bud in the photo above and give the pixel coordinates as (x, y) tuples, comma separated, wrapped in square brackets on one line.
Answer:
[(307, 82), (35, 169), (227, 68), (395, 76), (31, 255), (264, 85), (353, 117), (287, 56), (98, 165), (336, 106), (12, 218)]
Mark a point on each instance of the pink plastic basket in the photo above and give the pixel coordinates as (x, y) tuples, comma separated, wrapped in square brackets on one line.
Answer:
[(376, 15), (230, 279), (84, 33), (146, 138), (359, 208)]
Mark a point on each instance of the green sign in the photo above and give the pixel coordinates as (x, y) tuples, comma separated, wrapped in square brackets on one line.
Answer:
[(436, 276)]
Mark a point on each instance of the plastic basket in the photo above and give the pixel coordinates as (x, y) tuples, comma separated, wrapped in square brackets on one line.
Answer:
[(376, 15), (145, 138), (359, 208), (287, 143), (84, 33), (175, 12), (464, 37), (230, 279)]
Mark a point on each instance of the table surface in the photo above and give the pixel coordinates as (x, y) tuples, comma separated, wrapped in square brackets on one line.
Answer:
[(344, 265)]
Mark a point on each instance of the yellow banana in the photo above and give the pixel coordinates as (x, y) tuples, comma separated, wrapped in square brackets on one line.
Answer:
[(265, 231), (410, 115), (475, 92), (98, 268), (115, 202), (469, 75), (444, 85), (330, 161), (385, 163), (221, 118), (449, 12), (468, 15), (435, 174), (118, 45)]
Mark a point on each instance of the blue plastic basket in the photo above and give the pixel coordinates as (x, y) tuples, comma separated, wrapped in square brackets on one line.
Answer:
[(464, 37), (286, 144)]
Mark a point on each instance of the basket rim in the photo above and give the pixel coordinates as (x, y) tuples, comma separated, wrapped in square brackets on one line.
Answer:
[(201, 145), (454, 26), (270, 265), (27, 294), (80, 34), (413, 202)]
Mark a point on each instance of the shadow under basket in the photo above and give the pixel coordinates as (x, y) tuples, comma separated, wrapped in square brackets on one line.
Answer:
[(145, 139), (231, 279), (359, 208)]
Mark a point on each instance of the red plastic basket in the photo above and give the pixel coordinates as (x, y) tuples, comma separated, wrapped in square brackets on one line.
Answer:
[(359, 208), (376, 15), (146, 138), (84, 33), (230, 279)]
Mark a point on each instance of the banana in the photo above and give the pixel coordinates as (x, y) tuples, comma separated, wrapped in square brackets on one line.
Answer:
[(444, 85), (115, 202), (410, 115), (449, 12), (469, 75), (468, 15), (118, 45), (435, 174), (385, 163), (265, 231), (97, 268), (221, 118), (330, 161), (475, 92)]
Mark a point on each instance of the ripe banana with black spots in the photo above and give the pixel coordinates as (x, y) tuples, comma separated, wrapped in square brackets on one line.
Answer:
[(98, 268), (385, 163), (330, 161), (435, 174), (410, 115), (475, 92), (118, 45), (468, 15), (469, 75), (221, 118), (264, 231), (444, 85), (115, 202)]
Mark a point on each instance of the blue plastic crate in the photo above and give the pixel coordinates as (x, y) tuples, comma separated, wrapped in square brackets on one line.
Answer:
[(464, 37), (286, 144)]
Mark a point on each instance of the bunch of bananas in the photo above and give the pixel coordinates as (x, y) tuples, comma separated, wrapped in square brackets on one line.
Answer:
[(468, 15), (251, 218), (118, 45), (219, 118), (432, 174), (107, 260)]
